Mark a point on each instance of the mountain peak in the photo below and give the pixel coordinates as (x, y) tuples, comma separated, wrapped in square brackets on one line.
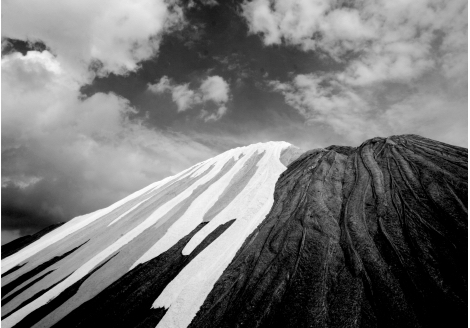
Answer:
[(233, 190), (263, 236)]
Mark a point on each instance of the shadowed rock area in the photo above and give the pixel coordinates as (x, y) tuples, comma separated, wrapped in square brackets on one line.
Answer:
[(30, 274), (128, 301), (373, 236)]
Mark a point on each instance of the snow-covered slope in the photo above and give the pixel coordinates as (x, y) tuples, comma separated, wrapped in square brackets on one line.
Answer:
[(48, 279), (368, 236)]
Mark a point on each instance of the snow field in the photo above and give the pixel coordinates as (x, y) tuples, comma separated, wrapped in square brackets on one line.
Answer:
[(186, 293)]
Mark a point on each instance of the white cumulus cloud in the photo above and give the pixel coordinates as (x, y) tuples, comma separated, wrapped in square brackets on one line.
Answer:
[(70, 153), (115, 34), (213, 89)]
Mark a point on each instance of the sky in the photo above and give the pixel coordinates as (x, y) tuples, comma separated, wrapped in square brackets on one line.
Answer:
[(101, 98)]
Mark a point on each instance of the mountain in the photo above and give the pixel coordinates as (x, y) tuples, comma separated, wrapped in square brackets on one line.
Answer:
[(170, 221), (263, 236), (20, 243)]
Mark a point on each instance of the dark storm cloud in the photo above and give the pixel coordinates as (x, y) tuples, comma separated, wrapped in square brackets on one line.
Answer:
[(33, 209), (10, 45), (34, 195)]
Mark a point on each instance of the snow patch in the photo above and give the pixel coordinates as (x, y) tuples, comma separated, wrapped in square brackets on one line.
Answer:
[(199, 207), (186, 293)]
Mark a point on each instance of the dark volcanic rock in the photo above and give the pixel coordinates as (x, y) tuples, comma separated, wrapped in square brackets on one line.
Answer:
[(128, 301), (373, 236), (6, 289)]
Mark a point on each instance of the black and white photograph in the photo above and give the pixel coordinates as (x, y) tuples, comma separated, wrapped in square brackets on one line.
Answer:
[(234, 163)]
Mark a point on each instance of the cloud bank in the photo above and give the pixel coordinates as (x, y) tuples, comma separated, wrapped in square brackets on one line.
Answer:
[(403, 63), (64, 154), (111, 36)]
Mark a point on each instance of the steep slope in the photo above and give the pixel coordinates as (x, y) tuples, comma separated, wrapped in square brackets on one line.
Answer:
[(185, 228), (374, 236), (20, 243)]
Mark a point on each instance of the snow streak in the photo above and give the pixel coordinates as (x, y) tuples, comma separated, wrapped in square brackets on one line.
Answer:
[(207, 182)]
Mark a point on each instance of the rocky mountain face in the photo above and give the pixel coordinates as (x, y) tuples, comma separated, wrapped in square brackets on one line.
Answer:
[(263, 236), (374, 236)]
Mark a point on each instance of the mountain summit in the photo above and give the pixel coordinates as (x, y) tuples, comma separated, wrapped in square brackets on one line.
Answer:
[(221, 200), (263, 236)]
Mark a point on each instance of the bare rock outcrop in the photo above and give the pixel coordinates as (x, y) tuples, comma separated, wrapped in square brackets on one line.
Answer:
[(368, 236), (373, 236)]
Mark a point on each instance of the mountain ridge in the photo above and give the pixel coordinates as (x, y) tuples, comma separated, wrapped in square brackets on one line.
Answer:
[(147, 224), (376, 275), (342, 236)]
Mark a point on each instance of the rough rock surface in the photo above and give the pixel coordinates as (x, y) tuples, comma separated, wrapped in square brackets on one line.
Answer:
[(373, 236), (45, 282), (128, 301)]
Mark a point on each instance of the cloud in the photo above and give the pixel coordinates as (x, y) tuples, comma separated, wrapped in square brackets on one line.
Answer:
[(358, 113), (65, 155), (337, 27), (400, 62), (112, 36), (213, 89), (310, 24), (387, 40), (322, 100), (181, 94), (184, 97), (208, 117)]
